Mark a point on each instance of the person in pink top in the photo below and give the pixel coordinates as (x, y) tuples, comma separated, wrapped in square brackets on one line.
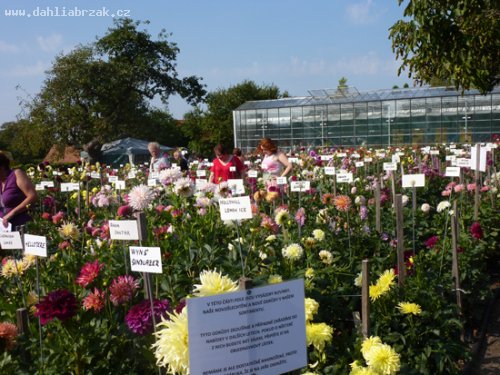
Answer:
[(225, 166), (274, 162)]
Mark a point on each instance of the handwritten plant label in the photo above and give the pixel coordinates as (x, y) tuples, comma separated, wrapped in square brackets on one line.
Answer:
[(70, 186), (152, 182), (123, 230), (201, 173), (452, 172), (235, 208), (413, 180), (200, 184), (300, 186), (463, 162), (35, 245), (252, 173), (359, 164), (131, 174), (95, 175), (10, 240), (326, 157), (451, 157), (119, 184), (256, 331), (293, 160), (434, 152), (281, 180), (330, 171), (112, 178), (39, 187), (47, 183), (145, 259), (368, 160), (232, 169), (236, 185), (390, 166), (344, 177), (396, 158)]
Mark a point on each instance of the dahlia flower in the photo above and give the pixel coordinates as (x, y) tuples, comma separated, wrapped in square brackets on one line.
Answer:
[(213, 282)]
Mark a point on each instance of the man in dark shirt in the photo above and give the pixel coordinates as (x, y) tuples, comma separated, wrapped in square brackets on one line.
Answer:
[(181, 160)]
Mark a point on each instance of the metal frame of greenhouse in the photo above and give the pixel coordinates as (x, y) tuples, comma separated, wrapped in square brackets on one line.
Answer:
[(379, 118)]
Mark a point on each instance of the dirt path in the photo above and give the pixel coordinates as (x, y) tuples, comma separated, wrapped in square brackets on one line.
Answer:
[(490, 363)]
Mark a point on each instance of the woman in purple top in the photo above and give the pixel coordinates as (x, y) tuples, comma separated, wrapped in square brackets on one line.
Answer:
[(16, 194)]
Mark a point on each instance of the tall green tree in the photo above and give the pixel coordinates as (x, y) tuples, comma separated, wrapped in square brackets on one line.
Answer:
[(102, 91), (215, 125), (26, 141), (453, 40)]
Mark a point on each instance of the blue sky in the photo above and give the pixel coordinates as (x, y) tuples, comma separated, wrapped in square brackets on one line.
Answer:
[(297, 45)]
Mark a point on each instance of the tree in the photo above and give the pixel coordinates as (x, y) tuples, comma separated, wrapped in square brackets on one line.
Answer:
[(458, 41), (102, 91), (206, 129), (26, 141)]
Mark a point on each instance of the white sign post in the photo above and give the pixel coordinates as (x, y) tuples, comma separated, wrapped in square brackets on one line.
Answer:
[(35, 245), (10, 241), (256, 331), (236, 208), (145, 259), (123, 230)]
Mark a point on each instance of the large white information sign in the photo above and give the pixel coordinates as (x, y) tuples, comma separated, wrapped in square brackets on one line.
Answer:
[(145, 259), (235, 208), (258, 331), (123, 230), (35, 245)]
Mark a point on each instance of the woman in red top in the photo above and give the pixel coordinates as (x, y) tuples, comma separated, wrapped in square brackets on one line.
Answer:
[(225, 166)]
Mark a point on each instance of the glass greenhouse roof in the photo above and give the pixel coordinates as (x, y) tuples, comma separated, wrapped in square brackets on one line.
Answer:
[(351, 95)]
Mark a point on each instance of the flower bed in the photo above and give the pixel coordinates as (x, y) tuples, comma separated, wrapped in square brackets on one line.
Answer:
[(95, 317)]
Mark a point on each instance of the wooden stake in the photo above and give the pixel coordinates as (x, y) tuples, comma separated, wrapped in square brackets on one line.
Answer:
[(455, 269), (378, 226), (476, 178), (400, 238), (365, 298)]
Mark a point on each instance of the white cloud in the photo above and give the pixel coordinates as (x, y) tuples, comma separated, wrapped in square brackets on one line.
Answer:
[(28, 70), (8, 48), (50, 43), (362, 13)]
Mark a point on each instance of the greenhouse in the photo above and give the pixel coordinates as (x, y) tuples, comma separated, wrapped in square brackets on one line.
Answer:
[(347, 117)]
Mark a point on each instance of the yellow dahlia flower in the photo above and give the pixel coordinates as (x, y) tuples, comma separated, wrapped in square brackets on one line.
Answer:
[(213, 282), (318, 334), (369, 343), (311, 307), (171, 346), (274, 279), (409, 308), (383, 359), (69, 231)]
